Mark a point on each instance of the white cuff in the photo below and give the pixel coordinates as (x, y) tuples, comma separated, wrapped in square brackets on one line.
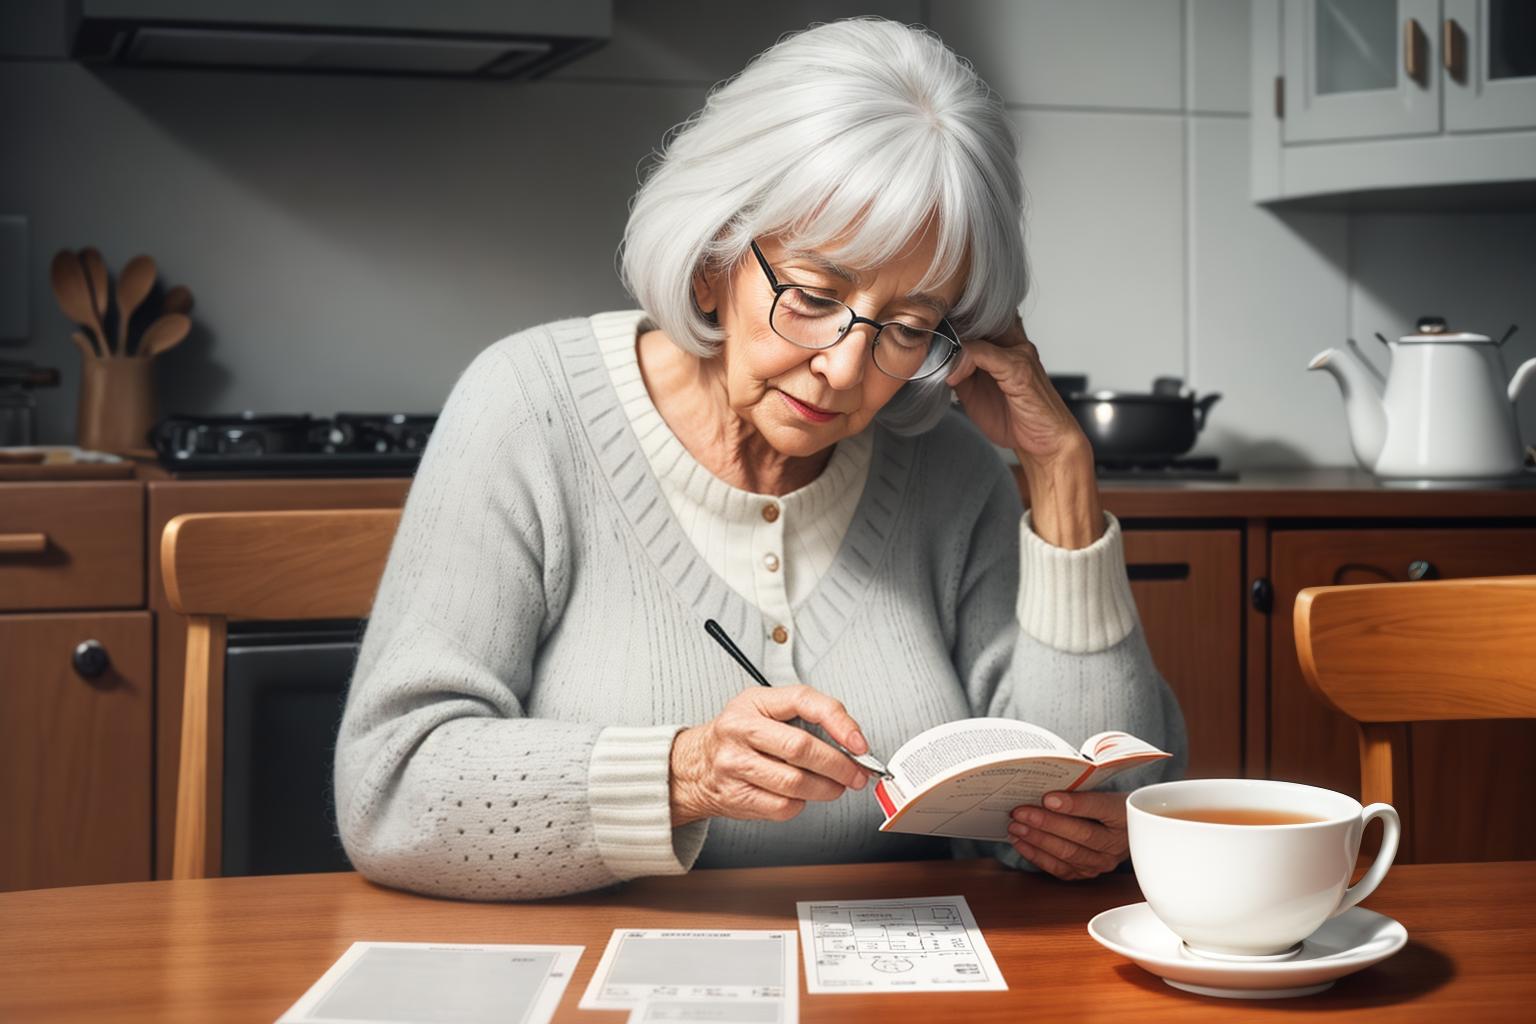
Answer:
[(629, 792), (1075, 601)]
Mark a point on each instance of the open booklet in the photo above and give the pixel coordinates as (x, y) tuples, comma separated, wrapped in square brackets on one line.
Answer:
[(964, 778)]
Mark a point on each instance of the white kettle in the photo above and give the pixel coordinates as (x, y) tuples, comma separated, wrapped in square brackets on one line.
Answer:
[(1444, 411)]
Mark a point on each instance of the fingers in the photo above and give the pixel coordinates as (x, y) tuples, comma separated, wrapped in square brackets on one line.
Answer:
[(1060, 857), (815, 706), (1083, 831), (1106, 807), (798, 747)]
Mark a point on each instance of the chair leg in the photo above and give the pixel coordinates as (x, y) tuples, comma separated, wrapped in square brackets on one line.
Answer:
[(1385, 775), (200, 781)]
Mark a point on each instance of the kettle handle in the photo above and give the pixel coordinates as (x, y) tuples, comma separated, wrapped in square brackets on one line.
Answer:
[(1523, 373)]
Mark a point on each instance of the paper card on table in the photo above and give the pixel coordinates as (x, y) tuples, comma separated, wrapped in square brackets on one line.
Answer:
[(712, 1012), (927, 944), (672, 967), (399, 982)]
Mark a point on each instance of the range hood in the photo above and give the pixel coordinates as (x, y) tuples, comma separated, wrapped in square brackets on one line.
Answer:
[(464, 38)]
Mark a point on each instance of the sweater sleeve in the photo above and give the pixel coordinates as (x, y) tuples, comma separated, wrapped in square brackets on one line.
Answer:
[(1051, 636), (444, 784)]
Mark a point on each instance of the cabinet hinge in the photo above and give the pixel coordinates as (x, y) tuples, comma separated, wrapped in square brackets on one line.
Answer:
[(1261, 594), (1280, 97)]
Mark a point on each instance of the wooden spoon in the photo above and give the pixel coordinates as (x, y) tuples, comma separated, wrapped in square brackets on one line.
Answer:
[(134, 282), (73, 292), (177, 300), (96, 277), (164, 334), (83, 344)]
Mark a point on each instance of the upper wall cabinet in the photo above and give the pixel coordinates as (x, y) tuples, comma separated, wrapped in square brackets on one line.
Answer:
[(1387, 102)]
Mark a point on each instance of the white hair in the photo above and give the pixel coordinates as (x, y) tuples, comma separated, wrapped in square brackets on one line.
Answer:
[(856, 133)]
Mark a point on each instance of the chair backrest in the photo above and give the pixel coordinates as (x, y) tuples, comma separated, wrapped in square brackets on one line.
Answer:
[(222, 566), (1386, 654)]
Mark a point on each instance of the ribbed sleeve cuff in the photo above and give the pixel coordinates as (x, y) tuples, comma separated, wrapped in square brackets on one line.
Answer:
[(627, 789), (1075, 601)]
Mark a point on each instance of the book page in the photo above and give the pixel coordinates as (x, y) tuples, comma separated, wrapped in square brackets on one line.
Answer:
[(975, 803), (944, 748), (1107, 747)]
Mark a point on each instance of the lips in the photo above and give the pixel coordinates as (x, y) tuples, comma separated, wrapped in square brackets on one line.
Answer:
[(805, 409)]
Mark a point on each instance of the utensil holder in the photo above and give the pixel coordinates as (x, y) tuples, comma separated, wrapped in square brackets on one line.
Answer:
[(117, 403)]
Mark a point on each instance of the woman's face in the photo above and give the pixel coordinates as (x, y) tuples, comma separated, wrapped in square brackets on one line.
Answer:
[(802, 401)]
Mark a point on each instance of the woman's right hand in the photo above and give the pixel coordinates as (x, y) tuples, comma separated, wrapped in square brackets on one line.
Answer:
[(747, 763)]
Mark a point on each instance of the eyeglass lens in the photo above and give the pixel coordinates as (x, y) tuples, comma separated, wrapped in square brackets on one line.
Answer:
[(816, 321)]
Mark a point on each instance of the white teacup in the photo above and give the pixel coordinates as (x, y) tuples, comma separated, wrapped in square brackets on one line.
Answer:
[(1251, 890)]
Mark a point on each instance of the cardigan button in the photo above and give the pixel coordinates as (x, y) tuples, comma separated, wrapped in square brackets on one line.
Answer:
[(771, 512), (771, 562), (780, 635)]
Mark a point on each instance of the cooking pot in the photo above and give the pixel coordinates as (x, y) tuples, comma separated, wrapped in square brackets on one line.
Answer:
[(1131, 426)]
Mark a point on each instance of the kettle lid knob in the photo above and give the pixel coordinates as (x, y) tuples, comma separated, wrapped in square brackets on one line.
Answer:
[(1431, 325)]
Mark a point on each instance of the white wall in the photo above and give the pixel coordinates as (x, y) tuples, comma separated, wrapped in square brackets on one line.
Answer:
[(354, 241)]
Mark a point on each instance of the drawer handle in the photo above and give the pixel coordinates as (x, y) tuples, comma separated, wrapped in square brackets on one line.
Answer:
[(1158, 570), (1422, 569), (23, 543), (91, 659)]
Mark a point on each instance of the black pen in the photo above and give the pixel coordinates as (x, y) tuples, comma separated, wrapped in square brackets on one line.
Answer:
[(868, 762)]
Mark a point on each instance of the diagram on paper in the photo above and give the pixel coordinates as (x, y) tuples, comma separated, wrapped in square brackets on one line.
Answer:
[(895, 945)]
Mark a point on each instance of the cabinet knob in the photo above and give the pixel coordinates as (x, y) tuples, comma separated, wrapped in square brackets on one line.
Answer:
[(91, 659), (1419, 569)]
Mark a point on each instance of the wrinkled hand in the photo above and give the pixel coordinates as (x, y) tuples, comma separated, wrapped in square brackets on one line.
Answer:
[(747, 763), (1012, 399), (1075, 836)]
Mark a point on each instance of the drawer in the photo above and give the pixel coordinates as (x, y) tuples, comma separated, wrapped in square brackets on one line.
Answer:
[(71, 545)]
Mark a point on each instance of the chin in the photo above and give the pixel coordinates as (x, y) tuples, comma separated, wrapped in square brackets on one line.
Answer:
[(802, 440)]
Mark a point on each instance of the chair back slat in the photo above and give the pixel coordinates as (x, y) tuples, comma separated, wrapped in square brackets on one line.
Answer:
[(1426, 651), (322, 564)]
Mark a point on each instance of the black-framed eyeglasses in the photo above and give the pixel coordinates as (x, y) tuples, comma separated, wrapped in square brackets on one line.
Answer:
[(810, 318)]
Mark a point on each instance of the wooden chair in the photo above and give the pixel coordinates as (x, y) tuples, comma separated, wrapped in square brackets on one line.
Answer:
[(223, 566), (1387, 654)]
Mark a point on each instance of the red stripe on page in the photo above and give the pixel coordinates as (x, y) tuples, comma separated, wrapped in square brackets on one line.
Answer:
[(1081, 778), (885, 800)]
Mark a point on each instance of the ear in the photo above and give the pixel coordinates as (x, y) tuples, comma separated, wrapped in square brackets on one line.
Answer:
[(705, 295)]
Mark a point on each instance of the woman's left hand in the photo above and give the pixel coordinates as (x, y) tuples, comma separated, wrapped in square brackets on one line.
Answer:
[(1075, 836), (1006, 393), (1012, 400)]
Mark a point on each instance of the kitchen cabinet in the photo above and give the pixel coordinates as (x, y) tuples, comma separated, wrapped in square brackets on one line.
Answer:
[(1489, 56), (1467, 778), (75, 747), (1188, 587), (1394, 103)]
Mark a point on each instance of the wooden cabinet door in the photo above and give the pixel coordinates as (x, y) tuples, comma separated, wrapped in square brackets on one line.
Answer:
[(1471, 783), (74, 751), (1188, 586)]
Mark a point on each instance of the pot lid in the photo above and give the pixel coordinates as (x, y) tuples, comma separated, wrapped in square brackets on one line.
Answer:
[(1433, 329)]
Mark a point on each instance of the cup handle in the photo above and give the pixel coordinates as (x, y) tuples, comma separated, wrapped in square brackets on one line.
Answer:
[(1391, 830)]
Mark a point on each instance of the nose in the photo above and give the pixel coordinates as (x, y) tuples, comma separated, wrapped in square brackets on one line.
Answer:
[(844, 364)]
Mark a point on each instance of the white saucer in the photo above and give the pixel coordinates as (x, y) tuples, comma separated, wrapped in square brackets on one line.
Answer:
[(1354, 940)]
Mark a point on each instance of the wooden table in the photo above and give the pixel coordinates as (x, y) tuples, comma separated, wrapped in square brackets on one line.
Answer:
[(243, 949)]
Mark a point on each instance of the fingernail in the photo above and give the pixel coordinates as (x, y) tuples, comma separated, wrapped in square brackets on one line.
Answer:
[(1034, 817), (1018, 830), (1056, 803), (861, 781), (857, 744)]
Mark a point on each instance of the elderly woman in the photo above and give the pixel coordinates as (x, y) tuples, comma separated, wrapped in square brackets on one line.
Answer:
[(822, 257)]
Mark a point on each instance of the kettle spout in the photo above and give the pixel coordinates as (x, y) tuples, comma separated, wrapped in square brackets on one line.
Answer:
[(1363, 407)]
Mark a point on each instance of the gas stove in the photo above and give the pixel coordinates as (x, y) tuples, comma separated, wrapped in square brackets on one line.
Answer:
[(246, 444), (1185, 467)]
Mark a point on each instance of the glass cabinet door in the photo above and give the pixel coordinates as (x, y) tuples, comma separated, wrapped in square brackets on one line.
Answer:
[(1357, 69), (1488, 52)]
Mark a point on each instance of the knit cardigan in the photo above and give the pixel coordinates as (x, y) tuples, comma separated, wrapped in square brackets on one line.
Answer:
[(536, 642)]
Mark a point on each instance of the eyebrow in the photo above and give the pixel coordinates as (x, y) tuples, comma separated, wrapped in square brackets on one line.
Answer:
[(837, 270)]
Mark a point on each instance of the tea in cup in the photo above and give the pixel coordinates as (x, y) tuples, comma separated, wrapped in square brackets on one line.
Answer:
[(1242, 868)]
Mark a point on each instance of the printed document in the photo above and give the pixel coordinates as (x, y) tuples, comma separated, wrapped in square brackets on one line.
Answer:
[(401, 982), (740, 977), (928, 944)]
